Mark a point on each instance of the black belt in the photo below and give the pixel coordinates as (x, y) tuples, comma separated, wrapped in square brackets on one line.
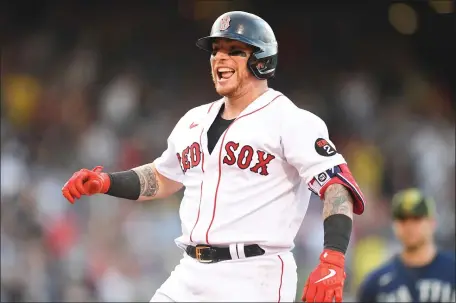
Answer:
[(210, 254)]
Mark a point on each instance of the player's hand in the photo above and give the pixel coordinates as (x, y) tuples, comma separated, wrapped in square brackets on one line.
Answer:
[(86, 182), (326, 282)]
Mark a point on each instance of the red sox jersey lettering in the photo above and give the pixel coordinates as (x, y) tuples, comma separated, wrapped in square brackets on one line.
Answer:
[(191, 157), (253, 187), (244, 157)]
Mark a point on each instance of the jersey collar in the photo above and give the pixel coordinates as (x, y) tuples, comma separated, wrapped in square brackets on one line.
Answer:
[(258, 103)]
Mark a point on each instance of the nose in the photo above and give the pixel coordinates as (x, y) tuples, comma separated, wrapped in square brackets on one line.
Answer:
[(220, 54)]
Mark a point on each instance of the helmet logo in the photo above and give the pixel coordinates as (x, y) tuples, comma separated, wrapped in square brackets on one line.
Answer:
[(261, 65), (225, 23)]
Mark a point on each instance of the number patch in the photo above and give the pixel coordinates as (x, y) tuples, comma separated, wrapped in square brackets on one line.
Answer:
[(324, 148)]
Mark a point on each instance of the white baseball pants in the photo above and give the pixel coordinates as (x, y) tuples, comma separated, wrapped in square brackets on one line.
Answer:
[(267, 278)]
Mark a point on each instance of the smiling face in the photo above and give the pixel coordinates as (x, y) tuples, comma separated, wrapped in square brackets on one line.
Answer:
[(230, 72)]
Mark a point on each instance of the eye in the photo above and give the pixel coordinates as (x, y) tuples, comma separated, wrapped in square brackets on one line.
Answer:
[(238, 52), (215, 49)]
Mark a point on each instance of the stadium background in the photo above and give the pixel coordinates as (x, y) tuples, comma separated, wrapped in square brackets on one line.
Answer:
[(86, 83)]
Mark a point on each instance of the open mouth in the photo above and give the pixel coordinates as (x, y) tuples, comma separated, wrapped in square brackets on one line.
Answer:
[(224, 73)]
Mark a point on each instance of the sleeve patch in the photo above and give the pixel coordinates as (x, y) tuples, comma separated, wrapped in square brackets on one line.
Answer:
[(320, 180), (338, 174), (324, 148), (323, 178)]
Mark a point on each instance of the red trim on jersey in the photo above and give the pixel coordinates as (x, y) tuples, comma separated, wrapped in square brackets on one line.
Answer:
[(220, 163), (202, 169), (210, 107), (281, 279), (198, 216)]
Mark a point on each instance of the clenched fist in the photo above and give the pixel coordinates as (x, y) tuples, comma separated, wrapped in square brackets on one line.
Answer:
[(86, 182), (326, 282)]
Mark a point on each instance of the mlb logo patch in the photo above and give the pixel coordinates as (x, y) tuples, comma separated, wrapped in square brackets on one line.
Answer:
[(322, 178)]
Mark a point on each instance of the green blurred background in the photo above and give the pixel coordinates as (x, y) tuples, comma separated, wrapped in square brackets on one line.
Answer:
[(88, 83)]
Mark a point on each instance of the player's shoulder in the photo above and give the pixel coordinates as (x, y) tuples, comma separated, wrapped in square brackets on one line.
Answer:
[(292, 113), (445, 257), (443, 261), (373, 281), (197, 113), (200, 110), (381, 275)]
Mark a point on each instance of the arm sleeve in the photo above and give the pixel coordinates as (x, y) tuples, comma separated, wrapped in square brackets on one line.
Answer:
[(306, 144), (168, 163)]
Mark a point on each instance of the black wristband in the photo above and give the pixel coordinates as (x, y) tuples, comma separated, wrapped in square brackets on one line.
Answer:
[(124, 185), (337, 229)]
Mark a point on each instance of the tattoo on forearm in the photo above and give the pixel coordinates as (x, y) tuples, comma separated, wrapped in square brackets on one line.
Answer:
[(338, 200), (148, 180)]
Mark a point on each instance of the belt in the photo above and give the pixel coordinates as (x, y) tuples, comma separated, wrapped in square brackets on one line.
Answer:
[(210, 254)]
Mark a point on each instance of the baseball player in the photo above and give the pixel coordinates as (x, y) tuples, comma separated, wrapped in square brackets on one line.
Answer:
[(249, 163), (420, 273)]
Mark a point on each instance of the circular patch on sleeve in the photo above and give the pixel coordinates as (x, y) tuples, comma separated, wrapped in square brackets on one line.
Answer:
[(324, 148)]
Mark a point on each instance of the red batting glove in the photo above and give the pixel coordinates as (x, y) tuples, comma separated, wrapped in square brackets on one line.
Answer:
[(326, 282), (86, 182)]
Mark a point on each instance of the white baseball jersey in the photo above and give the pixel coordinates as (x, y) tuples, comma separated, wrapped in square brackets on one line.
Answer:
[(253, 188)]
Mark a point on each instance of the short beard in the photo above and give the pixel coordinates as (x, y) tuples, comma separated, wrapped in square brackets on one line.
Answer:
[(415, 247)]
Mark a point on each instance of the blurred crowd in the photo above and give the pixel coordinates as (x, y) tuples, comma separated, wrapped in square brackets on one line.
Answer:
[(84, 84)]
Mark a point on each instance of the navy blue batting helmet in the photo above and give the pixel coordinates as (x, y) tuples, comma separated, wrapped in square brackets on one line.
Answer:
[(249, 29)]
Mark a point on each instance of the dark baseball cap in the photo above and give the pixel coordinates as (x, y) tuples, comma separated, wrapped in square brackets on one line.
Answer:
[(412, 203)]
